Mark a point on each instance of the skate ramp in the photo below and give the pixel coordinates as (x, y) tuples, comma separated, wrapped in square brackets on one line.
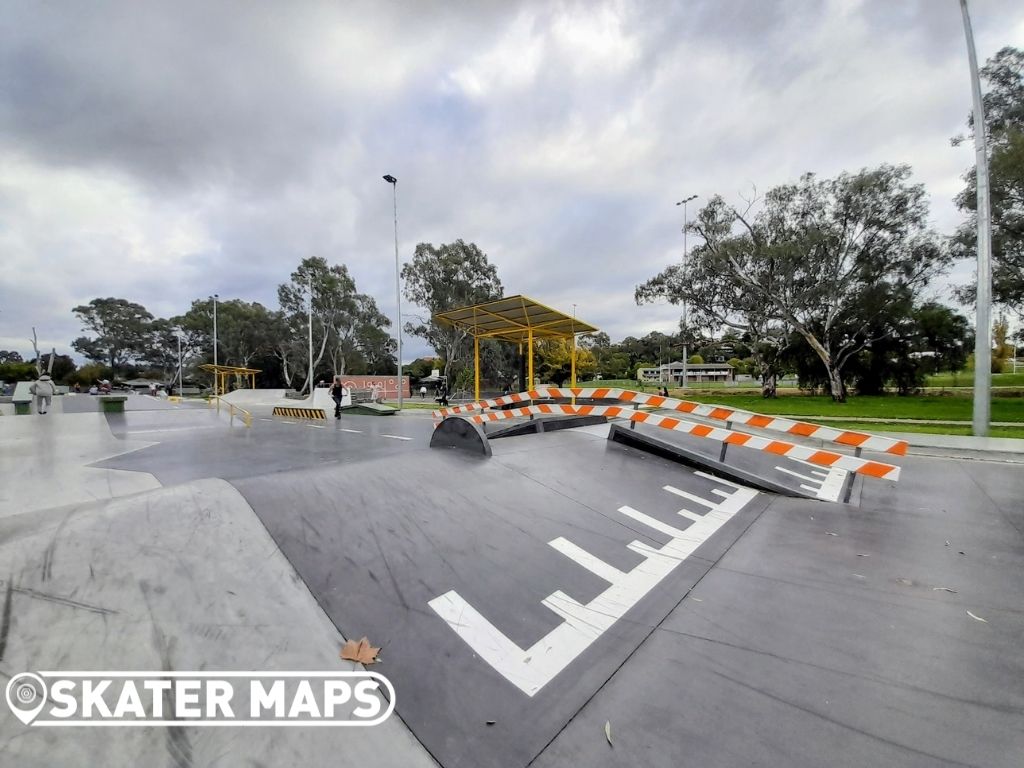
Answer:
[(505, 590), (183, 578), (45, 462), (243, 397)]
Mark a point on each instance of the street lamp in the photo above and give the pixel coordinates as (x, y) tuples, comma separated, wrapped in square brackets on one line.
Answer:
[(311, 335), (683, 203), (178, 336), (398, 291), (982, 320), (216, 377)]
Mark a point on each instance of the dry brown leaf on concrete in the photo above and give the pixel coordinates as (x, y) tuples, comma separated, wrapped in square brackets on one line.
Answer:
[(360, 651), (608, 732)]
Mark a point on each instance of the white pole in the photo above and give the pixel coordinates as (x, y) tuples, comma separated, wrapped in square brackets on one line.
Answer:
[(311, 333), (179, 364), (216, 375), (398, 295), (983, 316), (683, 203)]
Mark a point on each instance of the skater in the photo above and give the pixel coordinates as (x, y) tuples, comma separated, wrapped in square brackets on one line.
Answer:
[(423, 392), (337, 394), (44, 390), (442, 395)]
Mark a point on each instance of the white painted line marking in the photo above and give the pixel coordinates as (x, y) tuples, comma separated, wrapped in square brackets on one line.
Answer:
[(396, 437), (287, 422), (650, 522), (355, 431), (532, 668), (690, 496), (592, 563), (316, 426), (798, 475), (827, 487), (720, 480), (262, 419)]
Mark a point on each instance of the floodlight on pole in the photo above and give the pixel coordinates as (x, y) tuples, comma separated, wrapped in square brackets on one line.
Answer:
[(311, 333), (683, 203), (178, 336), (398, 290), (216, 377), (983, 304)]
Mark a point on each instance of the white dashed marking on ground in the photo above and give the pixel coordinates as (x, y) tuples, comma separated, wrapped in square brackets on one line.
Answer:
[(397, 437), (530, 669)]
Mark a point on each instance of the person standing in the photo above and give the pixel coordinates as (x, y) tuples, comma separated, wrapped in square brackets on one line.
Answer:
[(337, 394), (423, 392), (44, 390)]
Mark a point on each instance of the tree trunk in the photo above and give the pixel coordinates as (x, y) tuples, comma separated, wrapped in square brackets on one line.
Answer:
[(835, 381)]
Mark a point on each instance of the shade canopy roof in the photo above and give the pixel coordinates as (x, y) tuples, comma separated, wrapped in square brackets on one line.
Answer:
[(229, 369), (512, 319)]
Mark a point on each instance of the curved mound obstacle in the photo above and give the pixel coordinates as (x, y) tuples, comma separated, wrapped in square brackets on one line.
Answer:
[(181, 578)]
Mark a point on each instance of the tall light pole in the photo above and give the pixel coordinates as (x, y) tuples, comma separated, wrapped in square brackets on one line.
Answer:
[(311, 334), (216, 374), (398, 291), (178, 336), (683, 203), (983, 315)]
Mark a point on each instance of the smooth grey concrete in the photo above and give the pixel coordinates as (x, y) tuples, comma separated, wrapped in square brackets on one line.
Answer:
[(375, 546), (45, 462), (800, 648), (182, 578), (795, 647), (273, 444)]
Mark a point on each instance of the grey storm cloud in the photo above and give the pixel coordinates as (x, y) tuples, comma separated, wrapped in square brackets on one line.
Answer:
[(163, 152)]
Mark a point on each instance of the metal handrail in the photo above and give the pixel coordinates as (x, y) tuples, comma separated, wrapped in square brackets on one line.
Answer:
[(245, 416)]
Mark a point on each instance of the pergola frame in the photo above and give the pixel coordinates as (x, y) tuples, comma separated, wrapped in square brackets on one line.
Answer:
[(518, 319), (221, 373)]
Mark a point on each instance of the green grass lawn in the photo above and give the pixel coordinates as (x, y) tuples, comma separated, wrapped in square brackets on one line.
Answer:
[(884, 407), (934, 429), (966, 379)]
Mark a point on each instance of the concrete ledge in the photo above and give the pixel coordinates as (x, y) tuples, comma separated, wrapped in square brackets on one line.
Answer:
[(300, 413)]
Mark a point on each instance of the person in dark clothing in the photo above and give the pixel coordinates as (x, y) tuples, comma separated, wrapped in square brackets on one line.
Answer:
[(337, 394), (442, 395)]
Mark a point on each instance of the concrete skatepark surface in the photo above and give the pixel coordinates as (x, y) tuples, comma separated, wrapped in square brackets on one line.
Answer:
[(707, 624)]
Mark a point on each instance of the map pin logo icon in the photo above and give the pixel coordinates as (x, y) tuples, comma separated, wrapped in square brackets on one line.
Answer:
[(26, 696)]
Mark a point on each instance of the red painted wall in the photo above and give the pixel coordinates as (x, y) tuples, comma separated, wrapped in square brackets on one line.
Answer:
[(389, 384)]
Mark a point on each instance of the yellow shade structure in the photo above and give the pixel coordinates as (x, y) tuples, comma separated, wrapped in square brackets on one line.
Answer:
[(222, 372), (518, 319)]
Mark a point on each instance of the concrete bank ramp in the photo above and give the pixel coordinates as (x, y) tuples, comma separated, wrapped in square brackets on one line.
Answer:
[(243, 397), (44, 462), (183, 578)]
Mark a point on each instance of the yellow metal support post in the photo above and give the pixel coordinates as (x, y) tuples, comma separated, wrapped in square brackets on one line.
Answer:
[(572, 365), (476, 367), (529, 358), (572, 368)]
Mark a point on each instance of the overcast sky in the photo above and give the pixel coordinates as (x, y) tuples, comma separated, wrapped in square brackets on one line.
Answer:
[(166, 151)]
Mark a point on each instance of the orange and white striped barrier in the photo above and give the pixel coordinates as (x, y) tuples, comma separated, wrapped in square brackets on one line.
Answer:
[(779, 447), (716, 412)]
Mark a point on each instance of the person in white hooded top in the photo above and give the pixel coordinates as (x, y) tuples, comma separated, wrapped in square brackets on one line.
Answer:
[(44, 390)]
